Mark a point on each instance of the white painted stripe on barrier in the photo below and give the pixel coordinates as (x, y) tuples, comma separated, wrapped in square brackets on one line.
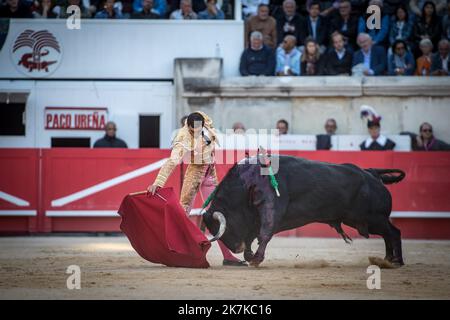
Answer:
[(196, 212), (14, 200), (421, 214), (15, 213), (107, 184), (394, 214), (81, 213)]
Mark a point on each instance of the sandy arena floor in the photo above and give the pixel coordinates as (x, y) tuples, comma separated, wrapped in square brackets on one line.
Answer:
[(295, 268)]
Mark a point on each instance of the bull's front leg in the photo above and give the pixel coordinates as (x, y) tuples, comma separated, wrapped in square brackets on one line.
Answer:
[(248, 253), (258, 257), (265, 234)]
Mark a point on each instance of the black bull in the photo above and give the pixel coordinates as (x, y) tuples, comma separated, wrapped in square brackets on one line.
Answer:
[(310, 191)]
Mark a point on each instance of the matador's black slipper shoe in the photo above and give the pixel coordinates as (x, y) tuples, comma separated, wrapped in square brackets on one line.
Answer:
[(234, 263)]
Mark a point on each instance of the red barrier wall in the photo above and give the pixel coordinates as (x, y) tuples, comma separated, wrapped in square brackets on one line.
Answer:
[(19, 187), (79, 190)]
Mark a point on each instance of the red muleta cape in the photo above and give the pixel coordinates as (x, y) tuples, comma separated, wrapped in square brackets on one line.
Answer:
[(161, 232)]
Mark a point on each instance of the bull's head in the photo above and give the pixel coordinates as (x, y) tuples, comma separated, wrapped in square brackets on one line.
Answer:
[(231, 216)]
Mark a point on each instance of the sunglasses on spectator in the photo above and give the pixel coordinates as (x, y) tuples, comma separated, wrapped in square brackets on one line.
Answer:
[(427, 130)]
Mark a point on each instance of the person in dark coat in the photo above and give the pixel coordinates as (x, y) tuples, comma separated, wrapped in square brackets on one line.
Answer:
[(426, 141), (346, 24), (289, 22), (110, 140), (257, 60), (338, 60), (440, 61), (372, 57), (324, 140), (315, 26), (376, 141), (428, 26)]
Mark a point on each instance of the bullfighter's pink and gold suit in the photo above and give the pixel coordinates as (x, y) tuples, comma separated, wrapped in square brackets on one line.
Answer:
[(200, 174), (199, 153)]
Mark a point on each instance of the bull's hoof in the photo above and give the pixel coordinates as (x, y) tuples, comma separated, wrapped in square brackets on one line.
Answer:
[(255, 264), (256, 261), (248, 255), (397, 262)]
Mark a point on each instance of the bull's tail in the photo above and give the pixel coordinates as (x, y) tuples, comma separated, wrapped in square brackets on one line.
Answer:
[(387, 176)]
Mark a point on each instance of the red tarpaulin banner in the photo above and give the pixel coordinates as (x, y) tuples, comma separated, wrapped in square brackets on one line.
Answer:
[(160, 231)]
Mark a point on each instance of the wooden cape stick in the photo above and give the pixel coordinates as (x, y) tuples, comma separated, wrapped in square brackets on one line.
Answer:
[(146, 192)]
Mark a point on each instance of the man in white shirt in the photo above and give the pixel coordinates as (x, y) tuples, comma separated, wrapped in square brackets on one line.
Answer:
[(185, 12)]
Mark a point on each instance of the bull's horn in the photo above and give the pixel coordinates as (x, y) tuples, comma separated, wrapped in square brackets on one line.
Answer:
[(223, 224)]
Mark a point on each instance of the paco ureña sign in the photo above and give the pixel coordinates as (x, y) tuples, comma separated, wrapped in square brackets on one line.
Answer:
[(74, 118)]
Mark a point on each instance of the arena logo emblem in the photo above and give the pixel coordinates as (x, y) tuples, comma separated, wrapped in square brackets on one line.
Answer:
[(36, 53)]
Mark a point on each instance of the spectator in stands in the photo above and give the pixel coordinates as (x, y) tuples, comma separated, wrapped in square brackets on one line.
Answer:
[(110, 140), (428, 26), (61, 10), (238, 128), (197, 5), (289, 23), (258, 59), (426, 141), (324, 140), (401, 61), (315, 26), (401, 26), (371, 58), (159, 8), (250, 7), (147, 11), (311, 62), (345, 23), (185, 12), (376, 141), (109, 11), (212, 12), (282, 126), (440, 63), (416, 6), (379, 36), (446, 23), (424, 61), (263, 23), (337, 61), (43, 9), (288, 58), (125, 7), (15, 9)]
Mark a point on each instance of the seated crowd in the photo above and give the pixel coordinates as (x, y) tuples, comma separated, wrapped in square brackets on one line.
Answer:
[(296, 37), (333, 38)]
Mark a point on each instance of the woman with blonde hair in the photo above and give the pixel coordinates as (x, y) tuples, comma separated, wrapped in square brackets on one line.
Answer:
[(424, 61)]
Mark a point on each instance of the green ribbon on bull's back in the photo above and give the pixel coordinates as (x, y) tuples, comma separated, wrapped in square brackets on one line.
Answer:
[(273, 181)]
